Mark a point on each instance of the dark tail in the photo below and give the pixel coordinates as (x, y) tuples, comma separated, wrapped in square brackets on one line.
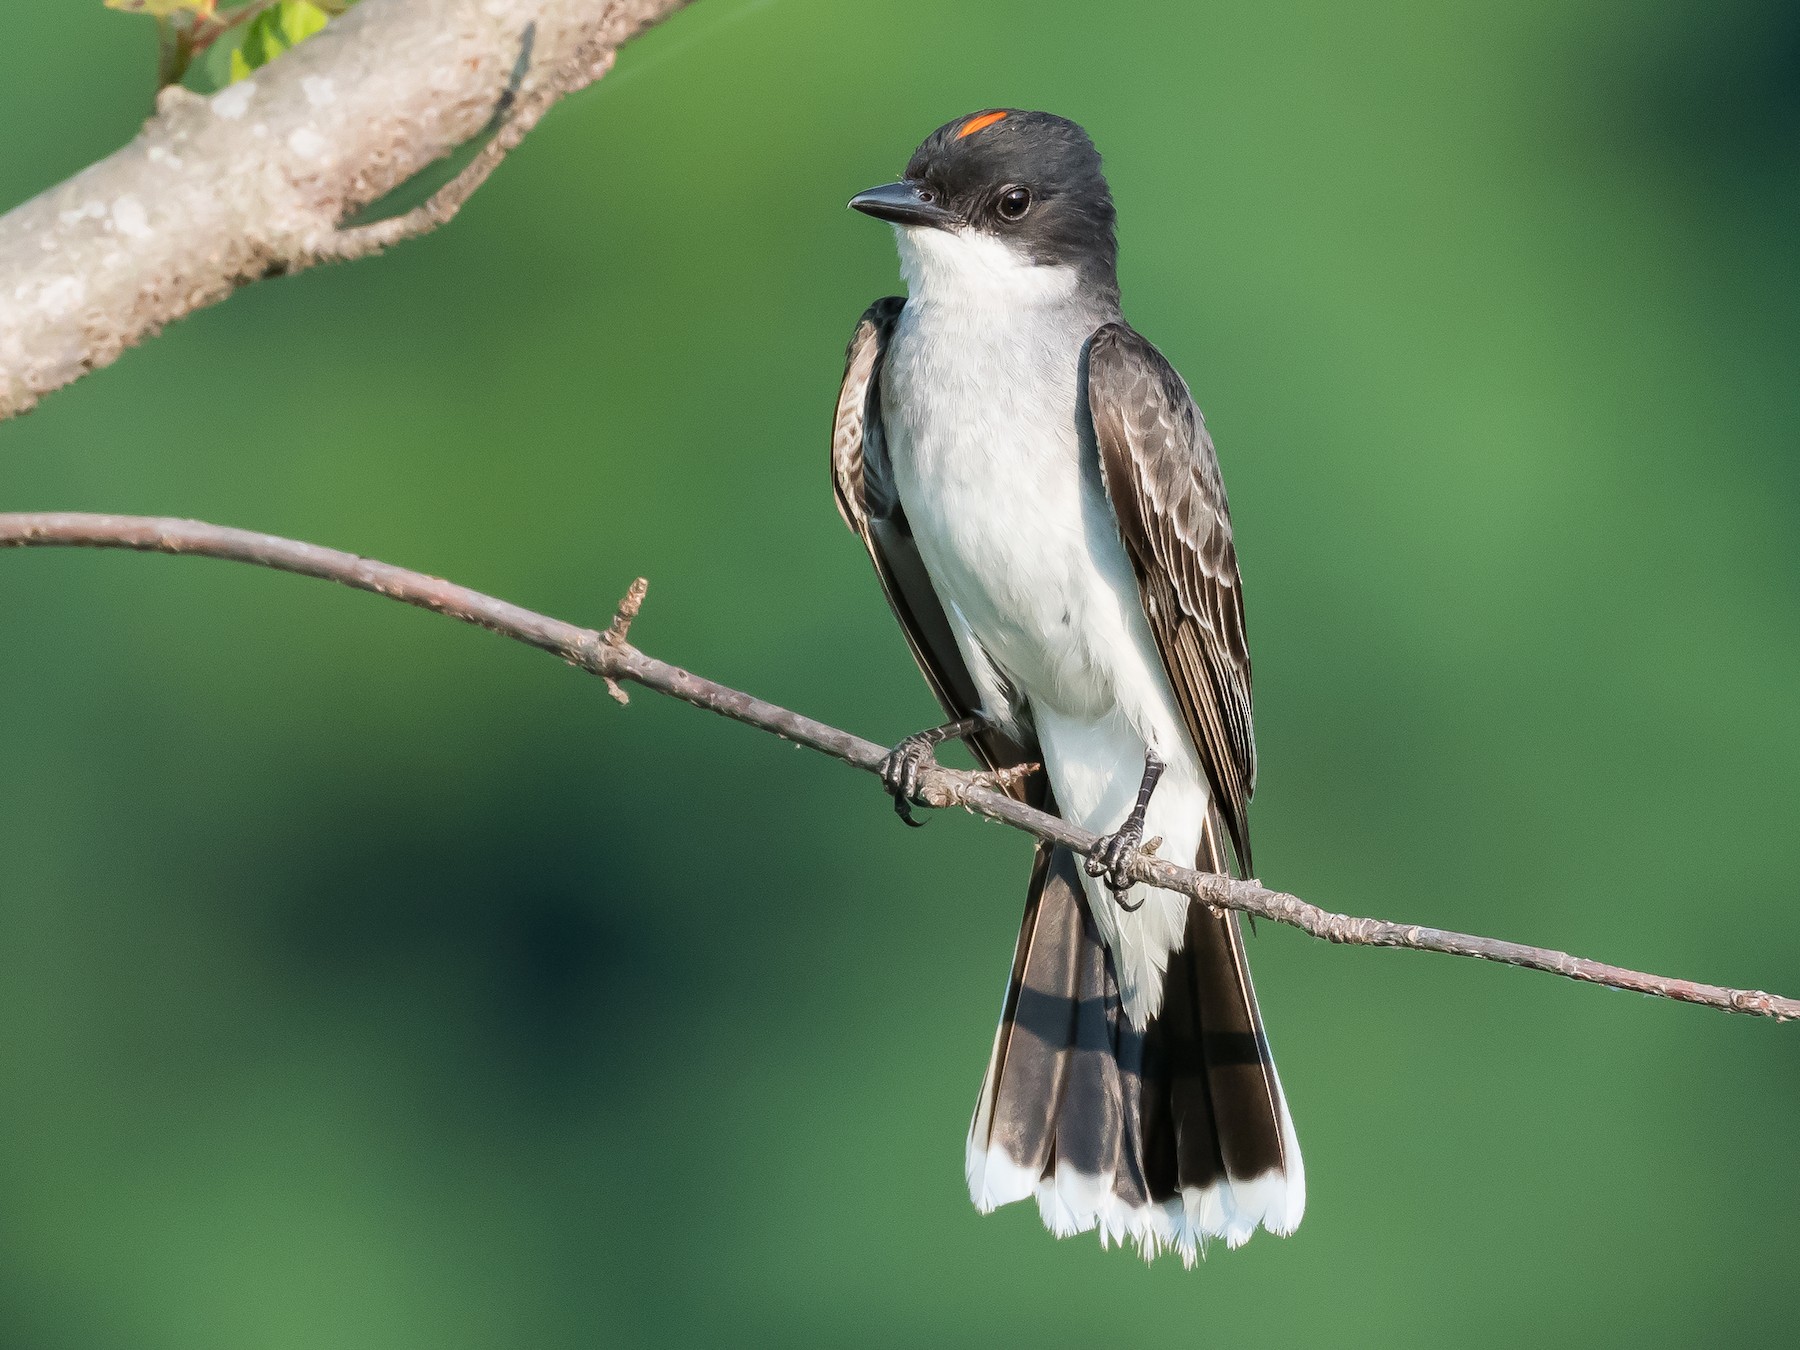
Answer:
[(1164, 1137)]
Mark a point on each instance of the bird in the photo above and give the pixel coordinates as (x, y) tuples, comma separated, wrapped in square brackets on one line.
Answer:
[(1042, 504)]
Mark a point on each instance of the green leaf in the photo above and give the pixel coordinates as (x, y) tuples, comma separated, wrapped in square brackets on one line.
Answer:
[(272, 32), (299, 20)]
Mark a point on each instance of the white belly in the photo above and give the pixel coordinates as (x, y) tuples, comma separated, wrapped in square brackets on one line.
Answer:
[(1021, 545), (986, 463)]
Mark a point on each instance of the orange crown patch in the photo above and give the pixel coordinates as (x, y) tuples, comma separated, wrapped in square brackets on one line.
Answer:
[(975, 124)]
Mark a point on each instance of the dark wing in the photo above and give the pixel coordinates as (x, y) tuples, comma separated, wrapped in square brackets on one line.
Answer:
[(1163, 478), (866, 499)]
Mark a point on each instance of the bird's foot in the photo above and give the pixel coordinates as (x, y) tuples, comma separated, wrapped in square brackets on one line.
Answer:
[(1113, 857), (905, 766), (1115, 854)]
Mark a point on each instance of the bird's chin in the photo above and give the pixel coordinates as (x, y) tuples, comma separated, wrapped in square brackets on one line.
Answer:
[(962, 263)]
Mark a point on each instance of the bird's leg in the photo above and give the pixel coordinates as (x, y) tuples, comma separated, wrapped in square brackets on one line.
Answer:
[(906, 762), (1113, 856)]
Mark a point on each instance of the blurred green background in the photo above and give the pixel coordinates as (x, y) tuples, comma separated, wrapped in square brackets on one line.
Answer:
[(371, 982)]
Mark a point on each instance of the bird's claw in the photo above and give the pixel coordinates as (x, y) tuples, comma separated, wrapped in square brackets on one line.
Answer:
[(1113, 857), (903, 768)]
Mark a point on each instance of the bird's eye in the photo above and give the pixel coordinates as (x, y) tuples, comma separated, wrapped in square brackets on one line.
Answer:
[(926, 195), (1014, 203)]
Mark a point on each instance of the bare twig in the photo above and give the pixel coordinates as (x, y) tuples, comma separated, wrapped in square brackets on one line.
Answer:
[(257, 180), (620, 627), (518, 114), (608, 655)]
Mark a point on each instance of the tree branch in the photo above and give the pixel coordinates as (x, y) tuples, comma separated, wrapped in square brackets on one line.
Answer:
[(255, 181), (608, 655)]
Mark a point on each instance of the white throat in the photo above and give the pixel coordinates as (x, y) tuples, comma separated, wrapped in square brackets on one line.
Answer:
[(960, 267)]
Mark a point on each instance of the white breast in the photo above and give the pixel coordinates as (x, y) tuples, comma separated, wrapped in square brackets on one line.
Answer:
[(978, 402)]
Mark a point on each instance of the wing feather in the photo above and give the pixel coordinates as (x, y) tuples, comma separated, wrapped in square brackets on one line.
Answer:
[(1162, 477)]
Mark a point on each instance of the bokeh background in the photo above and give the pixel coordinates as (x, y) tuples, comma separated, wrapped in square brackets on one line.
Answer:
[(368, 981)]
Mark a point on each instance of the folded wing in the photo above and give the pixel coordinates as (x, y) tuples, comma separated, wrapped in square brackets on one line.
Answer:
[(1163, 480)]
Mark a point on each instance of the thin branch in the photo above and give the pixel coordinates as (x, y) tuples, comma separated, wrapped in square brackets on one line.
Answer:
[(608, 655), (515, 118), (255, 181)]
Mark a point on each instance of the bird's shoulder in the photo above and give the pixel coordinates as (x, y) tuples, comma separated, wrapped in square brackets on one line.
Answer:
[(1151, 430)]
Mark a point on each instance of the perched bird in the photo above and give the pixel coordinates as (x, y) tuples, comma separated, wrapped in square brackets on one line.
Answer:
[(1041, 501)]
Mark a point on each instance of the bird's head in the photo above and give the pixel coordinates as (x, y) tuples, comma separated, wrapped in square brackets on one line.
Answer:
[(1001, 198)]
